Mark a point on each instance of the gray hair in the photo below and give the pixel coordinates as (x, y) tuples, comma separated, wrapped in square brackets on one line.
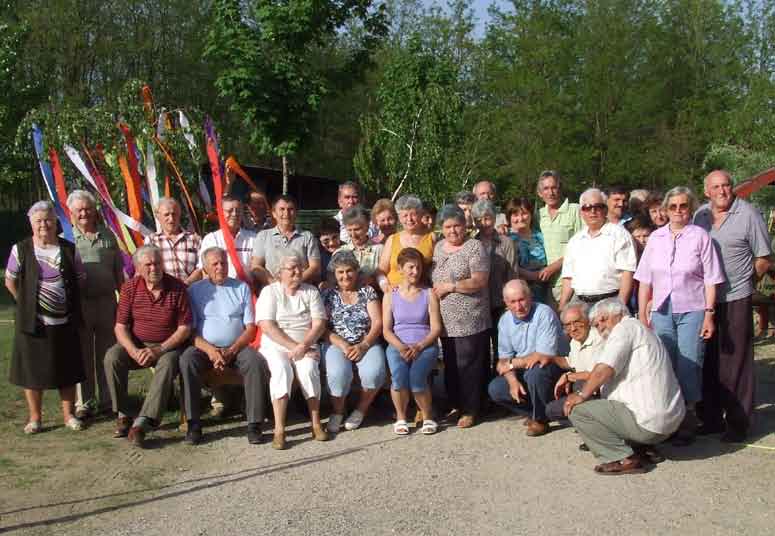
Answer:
[(639, 194), (489, 183), (590, 191), (287, 255), (521, 283), (343, 258), (451, 212), (166, 201), (610, 307), (681, 190), (352, 185), (41, 206), (482, 208), (547, 173), (465, 198), (409, 202), (142, 251), (214, 249), (356, 214), (723, 172), (580, 306), (80, 195)]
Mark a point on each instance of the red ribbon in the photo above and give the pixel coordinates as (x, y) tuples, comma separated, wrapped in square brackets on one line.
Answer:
[(59, 180)]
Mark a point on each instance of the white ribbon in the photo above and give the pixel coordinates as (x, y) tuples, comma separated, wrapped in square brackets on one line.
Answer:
[(153, 184)]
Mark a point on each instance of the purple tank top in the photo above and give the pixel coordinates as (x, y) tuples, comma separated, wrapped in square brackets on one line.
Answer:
[(411, 321)]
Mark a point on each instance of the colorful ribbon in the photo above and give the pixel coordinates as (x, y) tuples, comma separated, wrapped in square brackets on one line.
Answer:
[(48, 179)]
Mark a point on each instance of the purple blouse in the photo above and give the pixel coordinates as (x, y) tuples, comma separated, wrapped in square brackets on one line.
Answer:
[(680, 268)]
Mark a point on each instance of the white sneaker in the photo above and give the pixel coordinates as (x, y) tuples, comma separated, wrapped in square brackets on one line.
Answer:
[(354, 420), (334, 423)]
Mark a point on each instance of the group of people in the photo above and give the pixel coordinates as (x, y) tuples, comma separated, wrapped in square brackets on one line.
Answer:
[(629, 318)]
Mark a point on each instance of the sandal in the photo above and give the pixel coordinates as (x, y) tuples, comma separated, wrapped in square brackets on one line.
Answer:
[(74, 424), (33, 427), (429, 427), (400, 428), (627, 466)]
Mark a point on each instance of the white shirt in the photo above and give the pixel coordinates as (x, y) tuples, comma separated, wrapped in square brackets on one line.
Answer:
[(583, 355), (594, 264), (293, 314), (243, 243), (644, 380), (344, 236)]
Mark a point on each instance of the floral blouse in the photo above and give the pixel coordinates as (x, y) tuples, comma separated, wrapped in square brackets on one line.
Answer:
[(349, 321)]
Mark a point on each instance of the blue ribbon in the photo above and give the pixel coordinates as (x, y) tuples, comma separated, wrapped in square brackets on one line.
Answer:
[(48, 178)]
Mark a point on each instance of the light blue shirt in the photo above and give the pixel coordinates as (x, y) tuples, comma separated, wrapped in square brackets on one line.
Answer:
[(221, 312), (539, 332)]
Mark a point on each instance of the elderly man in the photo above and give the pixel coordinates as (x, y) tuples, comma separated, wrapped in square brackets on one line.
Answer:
[(641, 400), (256, 212), (179, 248), (350, 196), (559, 220), (244, 239), (153, 325), (740, 235), (224, 325), (271, 243), (485, 190), (617, 199), (600, 259), (101, 259), (528, 333)]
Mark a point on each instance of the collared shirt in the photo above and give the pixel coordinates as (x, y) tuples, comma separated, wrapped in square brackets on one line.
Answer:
[(221, 312), (344, 236), (367, 257), (583, 355), (740, 238), (595, 263), (679, 267), (179, 254), (558, 231), (243, 242), (270, 243), (293, 314), (539, 332), (150, 319), (101, 259), (643, 380)]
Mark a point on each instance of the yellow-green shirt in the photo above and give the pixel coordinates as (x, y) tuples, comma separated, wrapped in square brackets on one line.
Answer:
[(557, 231)]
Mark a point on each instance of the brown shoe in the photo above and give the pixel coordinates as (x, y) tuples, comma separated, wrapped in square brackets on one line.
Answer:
[(319, 434), (137, 437), (466, 421), (537, 428), (278, 441), (527, 421), (627, 466), (122, 427)]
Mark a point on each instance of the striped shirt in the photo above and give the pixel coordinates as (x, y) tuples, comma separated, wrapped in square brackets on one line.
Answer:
[(153, 320), (178, 254)]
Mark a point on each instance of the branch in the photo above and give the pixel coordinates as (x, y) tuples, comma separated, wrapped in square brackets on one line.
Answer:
[(410, 146)]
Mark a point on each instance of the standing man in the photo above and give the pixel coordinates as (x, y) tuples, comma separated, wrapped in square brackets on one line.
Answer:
[(179, 248), (740, 234), (559, 221), (618, 203), (485, 190), (244, 239), (600, 259), (350, 196), (101, 259)]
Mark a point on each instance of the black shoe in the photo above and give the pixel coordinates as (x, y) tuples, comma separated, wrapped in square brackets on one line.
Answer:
[(255, 437), (710, 428), (734, 436), (648, 454), (583, 447), (194, 434)]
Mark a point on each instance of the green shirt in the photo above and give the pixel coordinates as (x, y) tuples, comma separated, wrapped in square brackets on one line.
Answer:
[(557, 231), (102, 261)]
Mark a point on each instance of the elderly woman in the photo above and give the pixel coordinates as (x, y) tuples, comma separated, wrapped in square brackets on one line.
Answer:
[(44, 275), (461, 269), (412, 325), (102, 261), (292, 319), (680, 269), (367, 254), (529, 243), (352, 338), (385, 217), (414, 235)]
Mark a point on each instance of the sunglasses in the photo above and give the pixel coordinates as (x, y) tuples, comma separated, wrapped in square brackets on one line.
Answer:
[(597, 206), (674, 207)]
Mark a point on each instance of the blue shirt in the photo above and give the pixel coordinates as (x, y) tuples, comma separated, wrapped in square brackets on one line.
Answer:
[(532, 254), (539, 332), (221, 312)]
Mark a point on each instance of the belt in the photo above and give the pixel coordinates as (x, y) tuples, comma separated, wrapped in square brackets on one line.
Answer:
[(594, 298)]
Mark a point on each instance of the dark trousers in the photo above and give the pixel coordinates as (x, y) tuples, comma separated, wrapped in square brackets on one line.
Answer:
[(728, 381), (539, 383), (554, 409), (251, 367), (464, 359)]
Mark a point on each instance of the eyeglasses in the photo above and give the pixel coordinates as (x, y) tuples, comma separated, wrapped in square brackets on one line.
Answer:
[(597, 206), (573, 324), (675, 207)]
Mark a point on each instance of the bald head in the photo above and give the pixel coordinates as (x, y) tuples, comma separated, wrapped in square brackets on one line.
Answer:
[(518, 298)]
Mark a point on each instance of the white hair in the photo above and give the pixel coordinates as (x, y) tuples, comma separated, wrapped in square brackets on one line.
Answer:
[(80, 195), (166, 201), (142, 251), (580, 306), (610, 307), (40, 206), (590, 191), (215, 249)]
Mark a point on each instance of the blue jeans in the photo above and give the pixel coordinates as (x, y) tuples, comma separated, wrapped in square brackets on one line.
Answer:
[(539, 383), (414, 374), (339, 369), (680, 333)]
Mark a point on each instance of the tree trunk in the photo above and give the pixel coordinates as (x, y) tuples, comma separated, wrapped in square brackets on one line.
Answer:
[(285, 175)]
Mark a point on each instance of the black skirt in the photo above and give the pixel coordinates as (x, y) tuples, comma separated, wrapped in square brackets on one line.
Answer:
[(49, 359)]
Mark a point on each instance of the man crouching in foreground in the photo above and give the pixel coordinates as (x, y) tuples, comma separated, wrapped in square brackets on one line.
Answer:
[(640, 402)]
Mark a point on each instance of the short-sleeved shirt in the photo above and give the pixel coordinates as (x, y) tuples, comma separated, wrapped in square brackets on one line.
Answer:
[(583, 355), (270, 244), (595, 263), (643, 380), (153, 320), (221, 312), (538, 332), (367, 257), (679, 267), (350, 321), (293, 314), (52, 295), (463, 314), (179, 253), (558, 231), (102, 261), (244, 242), (740, 238)]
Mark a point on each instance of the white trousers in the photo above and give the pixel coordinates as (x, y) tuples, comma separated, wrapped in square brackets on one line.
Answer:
[(283, 369)]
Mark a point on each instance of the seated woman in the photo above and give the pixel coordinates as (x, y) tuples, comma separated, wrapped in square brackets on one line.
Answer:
[(292, 319), (356, 221), (411, 326), (352, 338), (530, 245)]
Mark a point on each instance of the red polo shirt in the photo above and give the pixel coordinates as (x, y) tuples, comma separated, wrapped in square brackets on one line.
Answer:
[(153, 320)]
